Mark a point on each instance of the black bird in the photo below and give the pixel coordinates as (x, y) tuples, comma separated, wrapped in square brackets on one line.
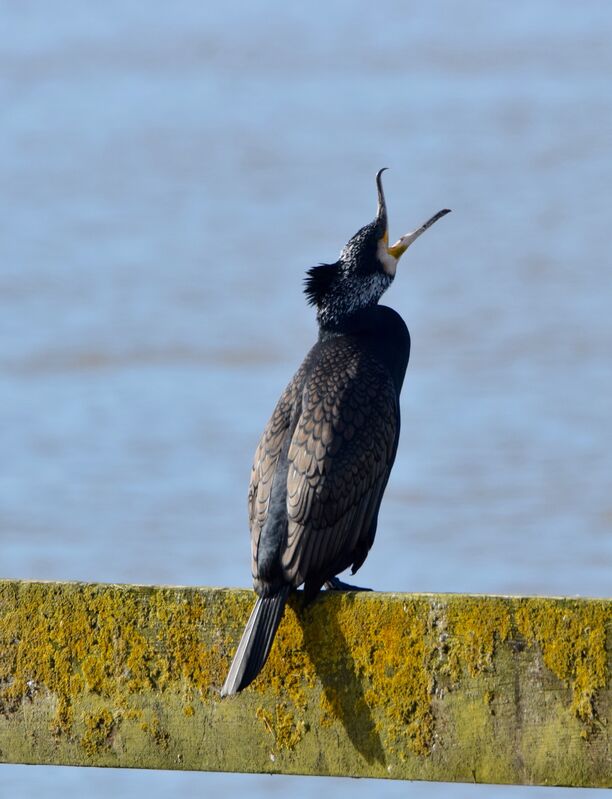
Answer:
[(324, 459)]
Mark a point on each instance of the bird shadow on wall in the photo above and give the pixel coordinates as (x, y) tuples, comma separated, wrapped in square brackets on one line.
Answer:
[(329, 651)]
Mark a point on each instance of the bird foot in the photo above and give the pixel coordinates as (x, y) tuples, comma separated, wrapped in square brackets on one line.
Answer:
[(337, 585)]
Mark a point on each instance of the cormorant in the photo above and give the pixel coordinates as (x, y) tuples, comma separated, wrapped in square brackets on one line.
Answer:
[(324, 458)]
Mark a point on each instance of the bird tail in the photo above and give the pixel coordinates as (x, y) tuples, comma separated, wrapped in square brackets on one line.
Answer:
[(256, 641)]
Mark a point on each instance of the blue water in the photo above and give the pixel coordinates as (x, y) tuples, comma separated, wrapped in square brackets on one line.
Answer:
[(169, 172)]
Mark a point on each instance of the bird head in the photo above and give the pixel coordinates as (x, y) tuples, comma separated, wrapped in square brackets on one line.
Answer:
[(365, 269)]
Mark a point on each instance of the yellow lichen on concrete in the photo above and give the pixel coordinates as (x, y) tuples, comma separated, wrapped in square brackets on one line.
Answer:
[(98, 731), (393, 660), (107, 641), (413, 686), (281, 723), (289, 671), (288, 674), (474, 629), (387, 683), (182, 618), (156, 731), (381, 647), (572, 637), (392, 652), (330, 708)]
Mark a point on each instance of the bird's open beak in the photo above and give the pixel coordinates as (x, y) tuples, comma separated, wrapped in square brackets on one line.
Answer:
[(400, 246)]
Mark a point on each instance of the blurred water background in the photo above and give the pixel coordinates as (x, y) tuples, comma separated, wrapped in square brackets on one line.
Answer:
[(169, 171)]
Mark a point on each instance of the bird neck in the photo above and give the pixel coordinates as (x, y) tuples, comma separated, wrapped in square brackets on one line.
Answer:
[(350, 296), (379, 331)]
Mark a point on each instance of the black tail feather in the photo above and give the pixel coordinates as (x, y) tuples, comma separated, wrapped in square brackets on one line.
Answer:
[(256, 642)]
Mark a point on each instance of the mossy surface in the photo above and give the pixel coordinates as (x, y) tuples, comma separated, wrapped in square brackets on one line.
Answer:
[(415, 686), (112, 642), (98, 731), (572, 639), (475, 628)]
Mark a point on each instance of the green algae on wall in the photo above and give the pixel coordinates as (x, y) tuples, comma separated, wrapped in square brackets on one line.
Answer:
[(112, 642), (409, 686), (572, 639), (475, 629)]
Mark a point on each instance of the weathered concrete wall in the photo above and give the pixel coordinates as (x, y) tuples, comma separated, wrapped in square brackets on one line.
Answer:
[(437, 687)]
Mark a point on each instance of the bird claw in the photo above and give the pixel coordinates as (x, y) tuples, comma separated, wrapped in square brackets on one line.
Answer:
[(337, 585)]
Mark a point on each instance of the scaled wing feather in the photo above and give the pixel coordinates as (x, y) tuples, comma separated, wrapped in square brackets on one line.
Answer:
[(266, 459), (340, 455)]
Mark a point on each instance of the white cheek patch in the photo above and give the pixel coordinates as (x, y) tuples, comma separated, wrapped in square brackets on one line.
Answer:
[(355, 293), (389, 263), (367, 291)]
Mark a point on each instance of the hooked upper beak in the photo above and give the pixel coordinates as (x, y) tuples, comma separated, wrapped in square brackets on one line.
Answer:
[(400, 246)]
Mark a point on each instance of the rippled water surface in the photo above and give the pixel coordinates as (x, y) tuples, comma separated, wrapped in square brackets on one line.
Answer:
[(169, 172)]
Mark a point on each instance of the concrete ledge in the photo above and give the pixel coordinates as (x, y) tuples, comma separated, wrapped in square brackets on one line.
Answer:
[(434, 687)]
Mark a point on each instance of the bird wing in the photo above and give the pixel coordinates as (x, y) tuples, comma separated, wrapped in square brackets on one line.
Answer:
[(339, 460), (266, 458)]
